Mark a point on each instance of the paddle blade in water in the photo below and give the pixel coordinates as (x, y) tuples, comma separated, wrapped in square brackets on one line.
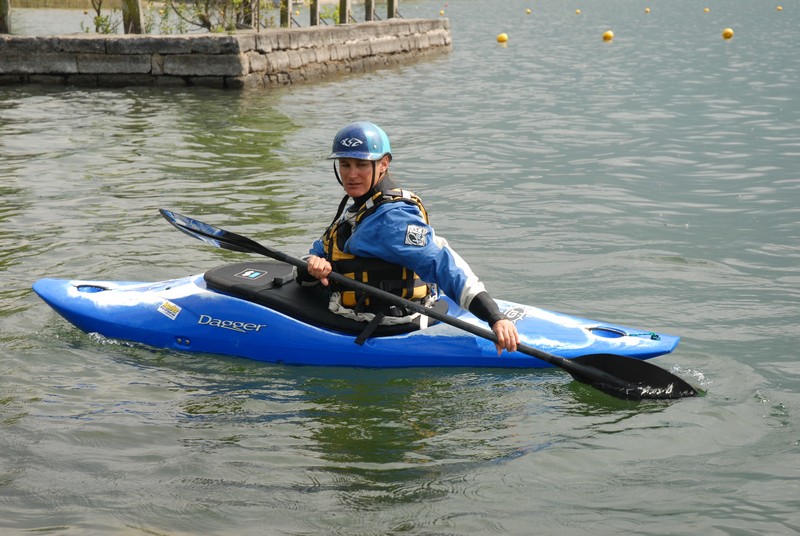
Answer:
[(636, 379)]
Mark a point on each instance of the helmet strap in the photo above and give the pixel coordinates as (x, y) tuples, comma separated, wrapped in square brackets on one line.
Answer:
[(336, 172)]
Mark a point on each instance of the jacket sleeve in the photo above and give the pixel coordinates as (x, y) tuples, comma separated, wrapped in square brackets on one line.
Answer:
[(317, 248), (485, 308)]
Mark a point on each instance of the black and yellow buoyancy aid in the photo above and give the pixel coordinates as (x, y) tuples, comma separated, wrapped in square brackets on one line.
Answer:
[(372, 271)]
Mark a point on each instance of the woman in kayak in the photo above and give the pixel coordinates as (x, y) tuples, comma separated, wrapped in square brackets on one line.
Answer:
[(381, 236)]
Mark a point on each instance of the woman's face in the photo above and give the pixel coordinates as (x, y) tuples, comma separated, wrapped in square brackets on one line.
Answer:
[(356, 174)]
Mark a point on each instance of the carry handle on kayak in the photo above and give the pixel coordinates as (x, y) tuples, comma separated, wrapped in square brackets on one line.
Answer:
[(620, 376)]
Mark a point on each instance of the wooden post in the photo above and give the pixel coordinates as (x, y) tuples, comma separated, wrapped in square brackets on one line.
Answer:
[(344, 11), (132, 21), (369, 10), (314, 13), (255, 7), (391, 9), (247, 15), (5, 16), (286, 13)]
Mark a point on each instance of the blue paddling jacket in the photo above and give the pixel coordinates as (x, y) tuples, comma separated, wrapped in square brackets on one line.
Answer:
[(386, 228)]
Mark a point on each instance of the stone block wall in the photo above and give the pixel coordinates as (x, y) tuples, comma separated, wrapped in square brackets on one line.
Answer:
[(242, 60)]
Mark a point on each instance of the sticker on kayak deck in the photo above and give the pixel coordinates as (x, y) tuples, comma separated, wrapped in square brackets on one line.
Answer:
[(515, 313), (416, 235), (251, 274), (169, 309)]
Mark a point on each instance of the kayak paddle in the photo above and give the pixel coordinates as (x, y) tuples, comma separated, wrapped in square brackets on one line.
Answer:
[(620, 376)]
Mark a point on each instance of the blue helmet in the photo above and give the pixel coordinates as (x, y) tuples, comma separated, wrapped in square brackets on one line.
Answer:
[(361, 140)]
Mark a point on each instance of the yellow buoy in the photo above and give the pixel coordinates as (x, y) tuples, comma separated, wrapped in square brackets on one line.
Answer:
[(502, 38), (528, 11), (647, 10), (727, 33), (441, 13), (780, 8), (608, 35), (577, 11), (706, 10)]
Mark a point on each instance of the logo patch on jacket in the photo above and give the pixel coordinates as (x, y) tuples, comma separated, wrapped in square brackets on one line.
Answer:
[(416, 235)]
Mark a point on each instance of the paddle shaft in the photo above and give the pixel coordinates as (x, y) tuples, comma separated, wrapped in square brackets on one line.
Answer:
[(243, 243)]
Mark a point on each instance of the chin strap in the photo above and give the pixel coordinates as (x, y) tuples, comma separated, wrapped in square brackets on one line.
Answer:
[(336, 172)]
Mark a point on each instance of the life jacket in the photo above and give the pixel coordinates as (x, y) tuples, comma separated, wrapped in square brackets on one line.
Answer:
[(375, 272)]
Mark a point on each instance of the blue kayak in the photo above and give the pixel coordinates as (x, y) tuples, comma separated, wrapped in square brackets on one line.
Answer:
[(256, 310)]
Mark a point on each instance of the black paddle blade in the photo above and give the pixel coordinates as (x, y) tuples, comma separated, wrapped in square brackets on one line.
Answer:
[(205, 232), (634, 379)]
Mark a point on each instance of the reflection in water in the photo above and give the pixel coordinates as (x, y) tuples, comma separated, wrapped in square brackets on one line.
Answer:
[(101, 153), (372, 438), (12, 249), (15, 248)]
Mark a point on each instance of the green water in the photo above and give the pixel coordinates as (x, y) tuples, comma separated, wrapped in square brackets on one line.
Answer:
[(651, 181)]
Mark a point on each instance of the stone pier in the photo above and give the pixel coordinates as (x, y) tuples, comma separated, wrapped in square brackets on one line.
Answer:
[(238, 61)]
